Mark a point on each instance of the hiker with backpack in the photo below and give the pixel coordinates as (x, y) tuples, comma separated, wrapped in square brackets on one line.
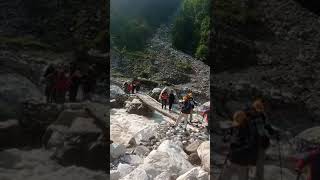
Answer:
[(164, 98), (240, 155), (260, 132), (185, 112), (193, 104), (171, 100), (310, 159)]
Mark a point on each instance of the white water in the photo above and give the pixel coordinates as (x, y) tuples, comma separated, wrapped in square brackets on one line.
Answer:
[(36, 164)]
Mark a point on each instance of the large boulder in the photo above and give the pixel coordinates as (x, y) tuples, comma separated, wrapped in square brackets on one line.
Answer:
[(117, 150), (14, 90), (128, 129), (204, 154), (311, 135), (169, 157), (77, 133), (117, 97), (11, 134), (195, 173), (137, 107), (155, 93), (192, 147)]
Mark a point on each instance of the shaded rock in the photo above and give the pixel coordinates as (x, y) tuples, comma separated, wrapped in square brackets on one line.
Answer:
[(75, 134), (11, 134), (195, 173), (166, 176), (141, 151), (132, 159), (14, 90), (194, 159), (117, 150), (204, 154), (191, 148), (137, 107)]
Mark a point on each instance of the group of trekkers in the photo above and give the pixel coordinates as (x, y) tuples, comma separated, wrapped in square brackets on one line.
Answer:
[(250, 142), (131, 87), (186, 107), (62, 79)]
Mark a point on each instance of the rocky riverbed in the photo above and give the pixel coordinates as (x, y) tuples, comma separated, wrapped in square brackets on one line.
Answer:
[(147, 146)]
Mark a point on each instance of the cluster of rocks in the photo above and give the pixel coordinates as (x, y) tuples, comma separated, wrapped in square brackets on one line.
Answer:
[(168, 161), (72, 130)]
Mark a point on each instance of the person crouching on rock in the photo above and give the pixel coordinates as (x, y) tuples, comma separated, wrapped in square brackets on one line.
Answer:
[(311, 159), (171, 100), (239, 155), (164, 99), (185, 112)]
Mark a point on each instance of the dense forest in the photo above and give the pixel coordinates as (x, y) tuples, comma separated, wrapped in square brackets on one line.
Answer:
[(191, 28), (133, 23)]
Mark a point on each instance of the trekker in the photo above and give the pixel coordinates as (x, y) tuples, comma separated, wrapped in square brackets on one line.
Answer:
[(138, 86), (75, 81), (61, 85), (193, 103), (89, 83), (240, 152), (129, 88), (261, 131), (185, 111), (133, 86), (49, 76), (311, 159), (164, 99), (171, 100), (125, 87)]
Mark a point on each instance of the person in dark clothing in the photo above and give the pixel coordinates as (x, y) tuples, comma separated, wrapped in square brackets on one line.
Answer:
[(171, 100), (312, 160), (185, 112), (49, 76), (61, 85), (137, 86), (164, 99), (89, 83), (75, 81), (261, 131), (240, 153)]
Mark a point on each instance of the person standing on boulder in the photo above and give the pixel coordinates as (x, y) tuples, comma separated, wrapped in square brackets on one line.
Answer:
[(193, 104), (171, 100), (185, 112), (164, 99)]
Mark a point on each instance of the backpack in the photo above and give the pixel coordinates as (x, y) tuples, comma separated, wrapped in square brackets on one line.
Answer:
[(187, 106)]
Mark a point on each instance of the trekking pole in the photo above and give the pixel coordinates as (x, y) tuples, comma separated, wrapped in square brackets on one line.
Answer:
[(223, 166), (280, 158)]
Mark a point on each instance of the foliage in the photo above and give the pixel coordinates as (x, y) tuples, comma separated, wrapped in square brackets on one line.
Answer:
[(133, 22), (192, 27), (183, 66)]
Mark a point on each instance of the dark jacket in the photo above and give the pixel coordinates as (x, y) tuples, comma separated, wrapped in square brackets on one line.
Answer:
[(171, 98), (242, 152), (186, 108)]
